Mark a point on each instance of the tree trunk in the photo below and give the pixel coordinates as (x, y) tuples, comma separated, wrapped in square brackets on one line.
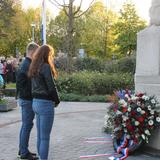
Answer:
[(70, 50)]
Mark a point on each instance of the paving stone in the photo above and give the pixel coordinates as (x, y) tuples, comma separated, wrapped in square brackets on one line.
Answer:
[(73, 123)]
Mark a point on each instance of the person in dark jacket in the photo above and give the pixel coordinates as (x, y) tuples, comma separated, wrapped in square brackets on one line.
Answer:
[(23, 87), (45, 96)]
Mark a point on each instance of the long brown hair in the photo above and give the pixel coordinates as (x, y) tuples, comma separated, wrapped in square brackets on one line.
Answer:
[(44, 54)]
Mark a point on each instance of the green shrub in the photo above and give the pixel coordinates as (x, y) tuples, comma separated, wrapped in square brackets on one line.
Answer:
[(89, 64), (94, 83), (77, 83), (124, 65), (127, 64)]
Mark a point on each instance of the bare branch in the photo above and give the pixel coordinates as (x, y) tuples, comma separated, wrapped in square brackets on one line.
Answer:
[(64, 3), (85, 10), (60, 6), (55, 2), (64, 8), (56, 5), (78, 9)]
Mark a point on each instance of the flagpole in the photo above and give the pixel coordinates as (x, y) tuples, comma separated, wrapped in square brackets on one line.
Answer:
[(44, 22)]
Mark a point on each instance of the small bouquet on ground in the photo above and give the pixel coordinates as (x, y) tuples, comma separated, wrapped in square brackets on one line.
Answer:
[(134, 116)]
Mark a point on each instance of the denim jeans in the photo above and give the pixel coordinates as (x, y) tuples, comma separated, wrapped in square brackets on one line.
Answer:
[(27, 124), (44, 111)]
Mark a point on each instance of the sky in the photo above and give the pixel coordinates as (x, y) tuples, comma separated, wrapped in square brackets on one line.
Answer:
[(141, 5)]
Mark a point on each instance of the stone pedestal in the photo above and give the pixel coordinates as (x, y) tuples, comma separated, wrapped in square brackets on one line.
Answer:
[(147, 76)]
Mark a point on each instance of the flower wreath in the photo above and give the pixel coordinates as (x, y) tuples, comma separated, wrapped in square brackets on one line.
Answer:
[(134, 115)]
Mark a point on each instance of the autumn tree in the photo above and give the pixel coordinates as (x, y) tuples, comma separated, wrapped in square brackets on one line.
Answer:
[(126, 29), (72, 13), (6, 14), (98, 36), (16, 28)]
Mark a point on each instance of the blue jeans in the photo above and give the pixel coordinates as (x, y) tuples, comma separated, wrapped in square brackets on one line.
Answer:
[(44, 111), (27, 124)]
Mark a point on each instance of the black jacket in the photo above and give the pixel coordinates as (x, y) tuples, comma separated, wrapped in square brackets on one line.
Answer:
[(43, 85), (23, 83)]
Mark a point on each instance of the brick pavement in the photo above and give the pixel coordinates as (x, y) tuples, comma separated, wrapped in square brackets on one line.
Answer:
[(73, 123)]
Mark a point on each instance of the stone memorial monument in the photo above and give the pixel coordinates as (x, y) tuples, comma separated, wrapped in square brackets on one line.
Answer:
[(147, 76)]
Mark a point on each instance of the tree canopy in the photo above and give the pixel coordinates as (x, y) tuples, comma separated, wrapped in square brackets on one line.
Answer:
[(100, 31), (126, 29)]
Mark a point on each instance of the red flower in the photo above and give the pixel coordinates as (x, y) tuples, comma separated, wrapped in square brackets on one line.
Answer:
[(140, 119), (140, 94), (135, 140), (128, 121), (130, 128), (115, 109), (133, 113), (124, 109)]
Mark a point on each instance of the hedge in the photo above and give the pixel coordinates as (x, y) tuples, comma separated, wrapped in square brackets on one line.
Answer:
[(124, 65), (94, 83)]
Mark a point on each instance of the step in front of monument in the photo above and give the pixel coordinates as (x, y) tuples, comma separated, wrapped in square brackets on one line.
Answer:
[(151, 151)]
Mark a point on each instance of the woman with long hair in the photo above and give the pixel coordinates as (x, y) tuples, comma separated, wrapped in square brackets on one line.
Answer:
[(45, 97)]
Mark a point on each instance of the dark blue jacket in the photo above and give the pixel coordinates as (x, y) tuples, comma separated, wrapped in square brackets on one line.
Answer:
[(23, 83)]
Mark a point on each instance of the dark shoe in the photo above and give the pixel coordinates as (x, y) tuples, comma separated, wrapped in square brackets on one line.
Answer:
[(33, 154), (29, 156)]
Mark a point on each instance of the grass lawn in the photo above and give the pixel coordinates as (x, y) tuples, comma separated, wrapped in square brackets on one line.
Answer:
[(11, 85)]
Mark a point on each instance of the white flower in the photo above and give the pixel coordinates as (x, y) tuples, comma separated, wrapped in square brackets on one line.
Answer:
[(124, 118), (149, 107), (124, 124), (147, 132), (134, 98), (118, 112), (143, 136), (126, 96), (138, 103), (145, 97), (153, 101), (150, 122), (151, 117), (125, 104), (139, 109), (128, 136), (158, 119), (125, 130), (137, 135), (106, 116), (152, 111), (143, 112), (136, 123), (146, 140), (122, 101), (129, 109)]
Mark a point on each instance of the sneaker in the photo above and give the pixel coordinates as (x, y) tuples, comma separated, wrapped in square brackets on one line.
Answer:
[(29, 156), (33, 154)]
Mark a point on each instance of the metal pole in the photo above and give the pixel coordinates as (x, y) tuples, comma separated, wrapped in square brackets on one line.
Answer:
[(44, 22), (32, 33), (33, 27)]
